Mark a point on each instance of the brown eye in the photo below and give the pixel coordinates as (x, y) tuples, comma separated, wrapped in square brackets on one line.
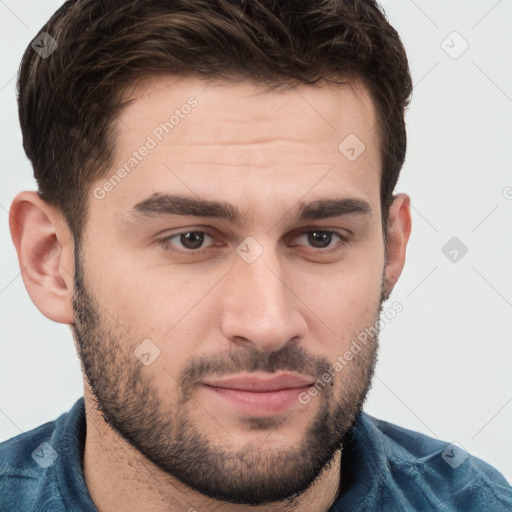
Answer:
[(186, 241), (192, 240), (318, 239)]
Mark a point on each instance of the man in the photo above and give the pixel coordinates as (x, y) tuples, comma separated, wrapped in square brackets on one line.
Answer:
[(216, 221)]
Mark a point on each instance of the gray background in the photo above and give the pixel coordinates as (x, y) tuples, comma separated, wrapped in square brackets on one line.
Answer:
[(445, 360)]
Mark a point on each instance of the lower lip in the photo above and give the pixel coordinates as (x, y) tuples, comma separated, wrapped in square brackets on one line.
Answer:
[(263, 403)]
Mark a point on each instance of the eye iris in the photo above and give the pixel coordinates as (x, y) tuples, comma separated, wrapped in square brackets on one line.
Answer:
[(314, 237), (192, 240)]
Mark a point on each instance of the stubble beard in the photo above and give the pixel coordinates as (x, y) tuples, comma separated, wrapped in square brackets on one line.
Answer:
[(128, 398)]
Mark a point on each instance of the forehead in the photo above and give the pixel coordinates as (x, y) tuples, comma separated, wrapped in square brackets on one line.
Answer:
[(311, 113), (243, 142)]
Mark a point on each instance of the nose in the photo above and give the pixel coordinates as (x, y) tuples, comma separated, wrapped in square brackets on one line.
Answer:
[(259, 306)]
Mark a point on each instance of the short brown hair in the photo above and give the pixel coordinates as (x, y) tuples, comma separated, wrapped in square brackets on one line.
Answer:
[(69, 101)]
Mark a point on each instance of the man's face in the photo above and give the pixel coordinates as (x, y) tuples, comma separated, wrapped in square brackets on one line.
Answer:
[(233, 320)]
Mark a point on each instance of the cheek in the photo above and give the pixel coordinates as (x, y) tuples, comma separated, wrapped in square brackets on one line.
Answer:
[(347, 312), (163, 305), (344, 305), (346, 291)]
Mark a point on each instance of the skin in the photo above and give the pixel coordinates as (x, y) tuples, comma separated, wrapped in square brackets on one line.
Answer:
[(263, 152)]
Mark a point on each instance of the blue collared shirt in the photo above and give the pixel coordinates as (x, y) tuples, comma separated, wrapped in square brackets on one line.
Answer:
[(384, 468)]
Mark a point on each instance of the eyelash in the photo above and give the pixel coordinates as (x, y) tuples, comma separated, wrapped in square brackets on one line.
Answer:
[(166, 242)]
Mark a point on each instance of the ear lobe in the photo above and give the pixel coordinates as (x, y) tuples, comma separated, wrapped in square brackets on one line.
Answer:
[(45, 253), (399, 230)]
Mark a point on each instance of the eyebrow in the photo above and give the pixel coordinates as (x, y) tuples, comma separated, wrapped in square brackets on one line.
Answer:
[(162, 205)]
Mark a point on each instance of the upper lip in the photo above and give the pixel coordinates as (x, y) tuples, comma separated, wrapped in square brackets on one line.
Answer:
[(261, 384)]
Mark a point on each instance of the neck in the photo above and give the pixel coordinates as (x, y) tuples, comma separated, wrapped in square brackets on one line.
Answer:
[(119, 478)]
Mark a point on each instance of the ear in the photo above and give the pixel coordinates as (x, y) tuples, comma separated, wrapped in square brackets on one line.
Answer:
[(399, 229), (45, 250)]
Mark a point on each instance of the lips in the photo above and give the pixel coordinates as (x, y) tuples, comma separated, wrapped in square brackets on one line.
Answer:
[(260, 395), (261, 384)]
